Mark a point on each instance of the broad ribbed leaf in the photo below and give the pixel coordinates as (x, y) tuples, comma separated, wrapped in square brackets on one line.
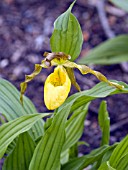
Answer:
[(9, 131), (120, 151), (121, 4), (73, 151), (21, 156), (48, 150), (105, 158), (67, 35), (101, 90), (105, 166), (74, 127), (74, 130), (11, 146), (64, 157), (110, 52), (11, 107), (108, 154), (104, 122), (123, 163), (82, 162)]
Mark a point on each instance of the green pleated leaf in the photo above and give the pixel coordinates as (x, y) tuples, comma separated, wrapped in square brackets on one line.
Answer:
[(104, 122), (121, 4), (11, 107), (119, 152), (9, 131), (105, 166), (21, 156), (11, 146), (82, 162), (64, 157), (69, 154), (74, 127), (110, 52), (123, 163), (73, 151), (108, 154), (101, 90), (67, 35), (74, 130), (48, 150), (105, 158)]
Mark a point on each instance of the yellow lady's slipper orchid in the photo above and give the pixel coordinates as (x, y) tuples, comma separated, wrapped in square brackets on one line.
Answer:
[(56, 88), (58, 84)]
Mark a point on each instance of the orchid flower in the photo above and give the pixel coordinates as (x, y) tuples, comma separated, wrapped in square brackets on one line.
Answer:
[(57, 85)]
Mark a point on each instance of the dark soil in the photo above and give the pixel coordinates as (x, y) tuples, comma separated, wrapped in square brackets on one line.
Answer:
[(25, 29)]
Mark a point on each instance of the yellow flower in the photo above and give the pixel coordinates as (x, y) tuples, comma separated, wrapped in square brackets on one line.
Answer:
[(58, 83), (56, 88)]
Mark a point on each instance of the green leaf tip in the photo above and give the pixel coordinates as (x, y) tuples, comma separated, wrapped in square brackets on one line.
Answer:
[(71, 6), (67, 36)]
